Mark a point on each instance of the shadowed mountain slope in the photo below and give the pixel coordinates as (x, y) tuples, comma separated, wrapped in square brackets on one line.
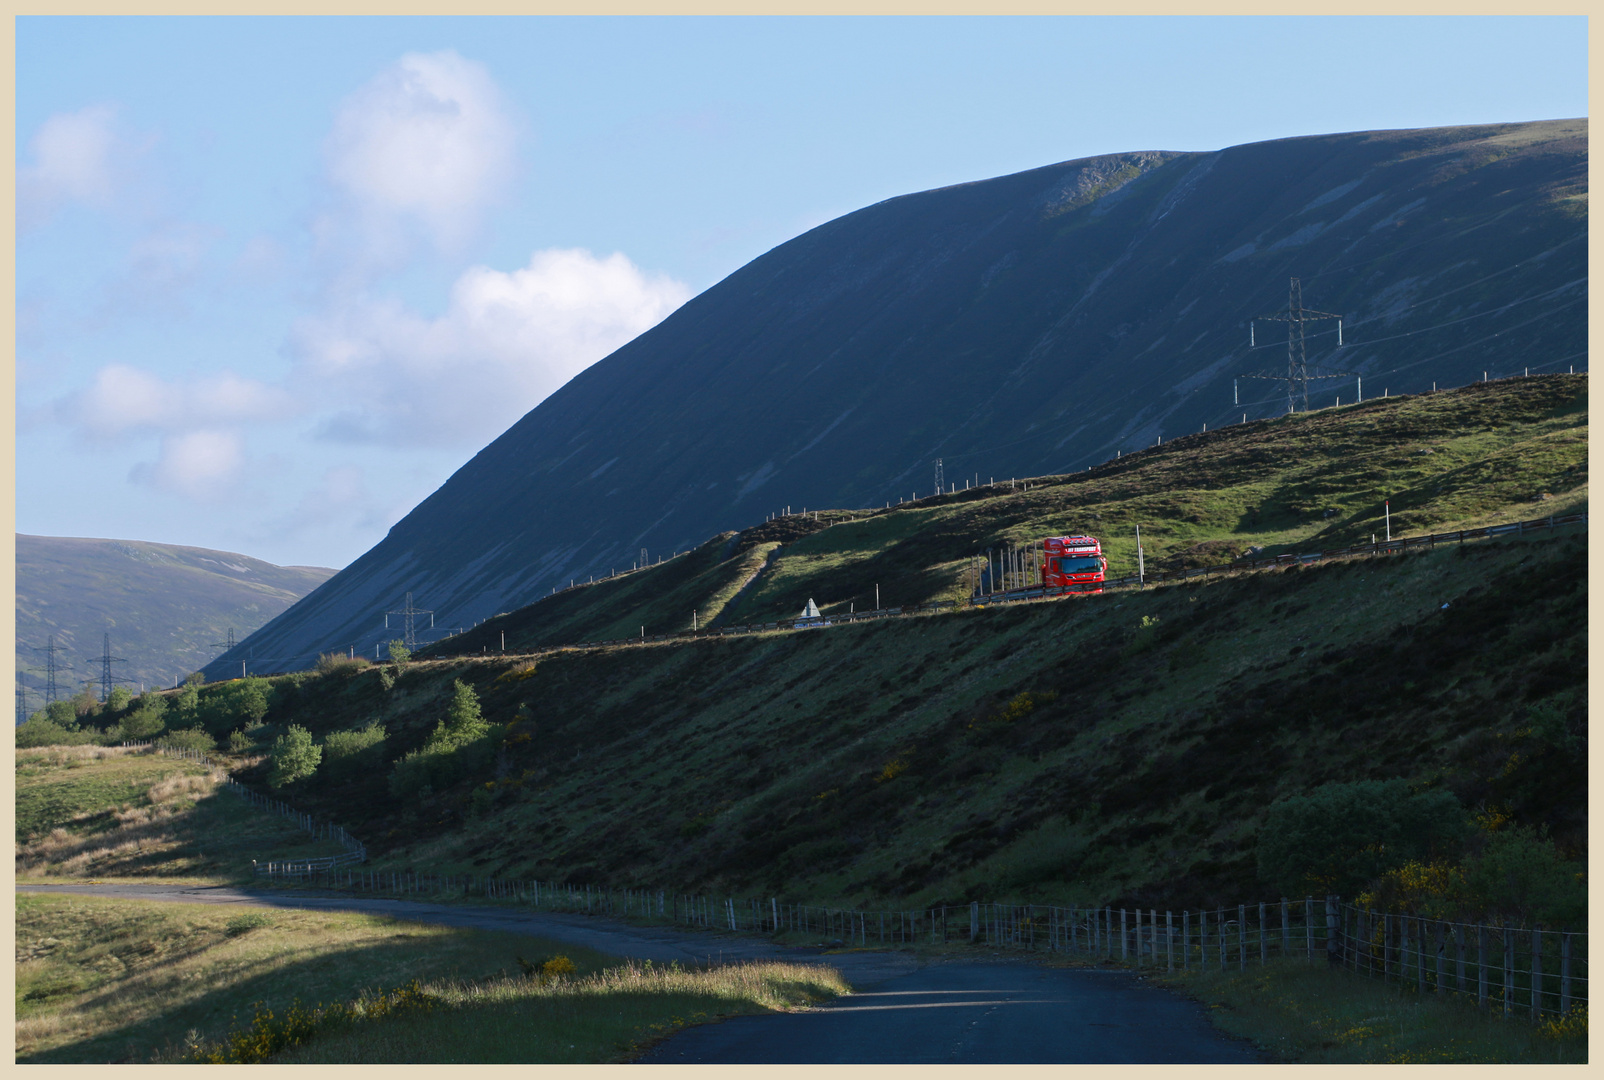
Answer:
[(1030, 324)]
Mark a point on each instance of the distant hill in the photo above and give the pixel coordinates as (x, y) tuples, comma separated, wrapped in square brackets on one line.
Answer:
[(163, 605), (1030, 324)]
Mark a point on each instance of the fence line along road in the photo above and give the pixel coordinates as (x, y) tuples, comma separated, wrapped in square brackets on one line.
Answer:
[(1384, 547), (1508, 970), (355, 850)]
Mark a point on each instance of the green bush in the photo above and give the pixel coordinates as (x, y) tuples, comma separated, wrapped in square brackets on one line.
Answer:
[(117, 701), (148, 719), (193, 738), (239, 742), (62, 714), (1340, 837), (461, 745), (37, 730), (295, 757), (345, 753), (1521, 875)]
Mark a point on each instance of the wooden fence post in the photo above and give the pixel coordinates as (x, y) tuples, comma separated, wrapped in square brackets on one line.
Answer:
[(1565, 974), (1537, 975), (1242, 936), (1333, 945), (1308, 928), (1509, 971), (1169, 940), (1481, 965)]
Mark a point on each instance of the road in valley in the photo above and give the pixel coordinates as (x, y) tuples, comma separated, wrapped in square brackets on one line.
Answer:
[(903, 1009)]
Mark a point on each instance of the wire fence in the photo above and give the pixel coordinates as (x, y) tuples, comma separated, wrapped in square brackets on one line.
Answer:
[(1382, 547), (355, 850), (1531, 972)]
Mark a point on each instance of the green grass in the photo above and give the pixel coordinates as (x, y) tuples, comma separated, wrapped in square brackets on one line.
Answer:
[(107, 813), (1461, 458), (57, 786), (1311, 1014), (111, 980)]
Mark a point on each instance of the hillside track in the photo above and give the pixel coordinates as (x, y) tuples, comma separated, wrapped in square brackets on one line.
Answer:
[(903, 1009)]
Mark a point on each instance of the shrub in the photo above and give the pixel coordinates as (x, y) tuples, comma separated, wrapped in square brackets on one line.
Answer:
[(62, 714), (346, 753), (148, 718), (329, 663), (192, 738), (1340, 837), (461, 744), (37, 730), (239, 742), (243, 924), (1521, 875), (400, 654), (295, 757), (118, 699)]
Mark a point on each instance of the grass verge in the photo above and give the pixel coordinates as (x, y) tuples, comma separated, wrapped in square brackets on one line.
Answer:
[(107, 812), (114, 980), (608, 1015), (1312, 1014)]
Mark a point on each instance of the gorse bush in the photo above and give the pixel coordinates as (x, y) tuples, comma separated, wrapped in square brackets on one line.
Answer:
[(267, 1033)]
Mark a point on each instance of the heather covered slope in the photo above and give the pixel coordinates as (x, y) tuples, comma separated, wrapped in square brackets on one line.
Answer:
[(1481, 454), (1120, 747), (1026, 325), (164, 606)]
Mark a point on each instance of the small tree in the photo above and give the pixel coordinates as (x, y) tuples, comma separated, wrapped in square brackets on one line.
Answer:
[(400, 654), (62, 714), (295, 757), (119, 699), (251, 699)]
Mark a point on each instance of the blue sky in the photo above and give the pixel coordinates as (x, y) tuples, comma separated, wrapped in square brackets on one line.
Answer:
[(278, 279)]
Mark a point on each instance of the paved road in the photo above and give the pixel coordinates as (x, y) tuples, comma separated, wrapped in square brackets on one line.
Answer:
[(973, 1013), (963, 1011)]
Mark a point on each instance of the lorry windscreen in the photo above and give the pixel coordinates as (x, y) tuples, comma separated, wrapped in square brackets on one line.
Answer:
[(1085, 564)]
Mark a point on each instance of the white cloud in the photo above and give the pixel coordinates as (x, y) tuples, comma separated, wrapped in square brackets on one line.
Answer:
[(202, 465), (77, 158), (505, 342), (125, 400), (426, 142)]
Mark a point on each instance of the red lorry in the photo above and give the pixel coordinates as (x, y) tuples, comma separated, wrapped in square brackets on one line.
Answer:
[(1073, 562)]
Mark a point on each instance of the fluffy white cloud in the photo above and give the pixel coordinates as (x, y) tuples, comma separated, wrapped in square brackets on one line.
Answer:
[(76, 159), (505, 342), (125, 400), (427, 141), (202, 465)]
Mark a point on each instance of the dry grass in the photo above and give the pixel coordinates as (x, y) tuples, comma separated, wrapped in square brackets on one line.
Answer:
[(109, 980), (110, 812), (609, 1015)]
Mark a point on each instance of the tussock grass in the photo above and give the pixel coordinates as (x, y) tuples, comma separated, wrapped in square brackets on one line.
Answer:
[(608, 1015), (108, 812), (1313, 1014), (113, 980)]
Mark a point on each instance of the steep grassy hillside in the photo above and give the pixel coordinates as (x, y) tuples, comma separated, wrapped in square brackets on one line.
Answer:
[(162, 604), (1483, 453), (1024, 325), (1122, 746)]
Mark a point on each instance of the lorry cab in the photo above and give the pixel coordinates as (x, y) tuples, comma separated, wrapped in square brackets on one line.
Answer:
[(1073, 562)]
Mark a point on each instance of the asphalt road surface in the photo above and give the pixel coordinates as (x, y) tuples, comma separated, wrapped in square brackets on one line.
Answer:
[(901, 1011)]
